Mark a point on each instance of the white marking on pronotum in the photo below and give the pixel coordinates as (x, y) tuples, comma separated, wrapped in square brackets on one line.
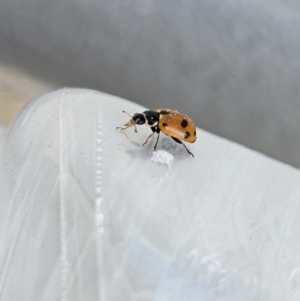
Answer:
[(63, 237), (98, 203)]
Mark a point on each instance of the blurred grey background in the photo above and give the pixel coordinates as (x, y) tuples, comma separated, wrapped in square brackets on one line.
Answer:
[(233, 66)]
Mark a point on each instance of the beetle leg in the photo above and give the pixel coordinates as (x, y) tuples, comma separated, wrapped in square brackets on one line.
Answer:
[(127, 125), (124, 128), (148, 139), (180, 142), (188, 150), (156, 142)]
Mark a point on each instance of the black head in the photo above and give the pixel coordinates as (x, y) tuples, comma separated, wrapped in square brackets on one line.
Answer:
[(151, 117), (139, 118)]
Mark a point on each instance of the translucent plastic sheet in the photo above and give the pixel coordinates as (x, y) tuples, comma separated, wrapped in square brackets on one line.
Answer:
[(87, 213)]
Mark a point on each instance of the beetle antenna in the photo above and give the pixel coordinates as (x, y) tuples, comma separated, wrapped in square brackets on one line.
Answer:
[(127, 114)]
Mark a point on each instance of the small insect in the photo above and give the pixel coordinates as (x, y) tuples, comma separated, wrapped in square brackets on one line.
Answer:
[(174, 124)]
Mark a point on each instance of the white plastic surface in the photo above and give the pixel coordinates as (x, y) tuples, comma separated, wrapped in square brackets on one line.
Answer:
[(87, 213), (2, 129)]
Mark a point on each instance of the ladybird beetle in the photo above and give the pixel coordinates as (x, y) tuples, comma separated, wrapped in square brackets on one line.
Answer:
[(174, 124)]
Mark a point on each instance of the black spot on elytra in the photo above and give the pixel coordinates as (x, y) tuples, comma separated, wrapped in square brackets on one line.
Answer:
[(164, 112), (195, 133), (164, 124), (184, 123), (186, 135)]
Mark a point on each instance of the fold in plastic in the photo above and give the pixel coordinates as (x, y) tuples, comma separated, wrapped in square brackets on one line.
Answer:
[(87, 213)]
